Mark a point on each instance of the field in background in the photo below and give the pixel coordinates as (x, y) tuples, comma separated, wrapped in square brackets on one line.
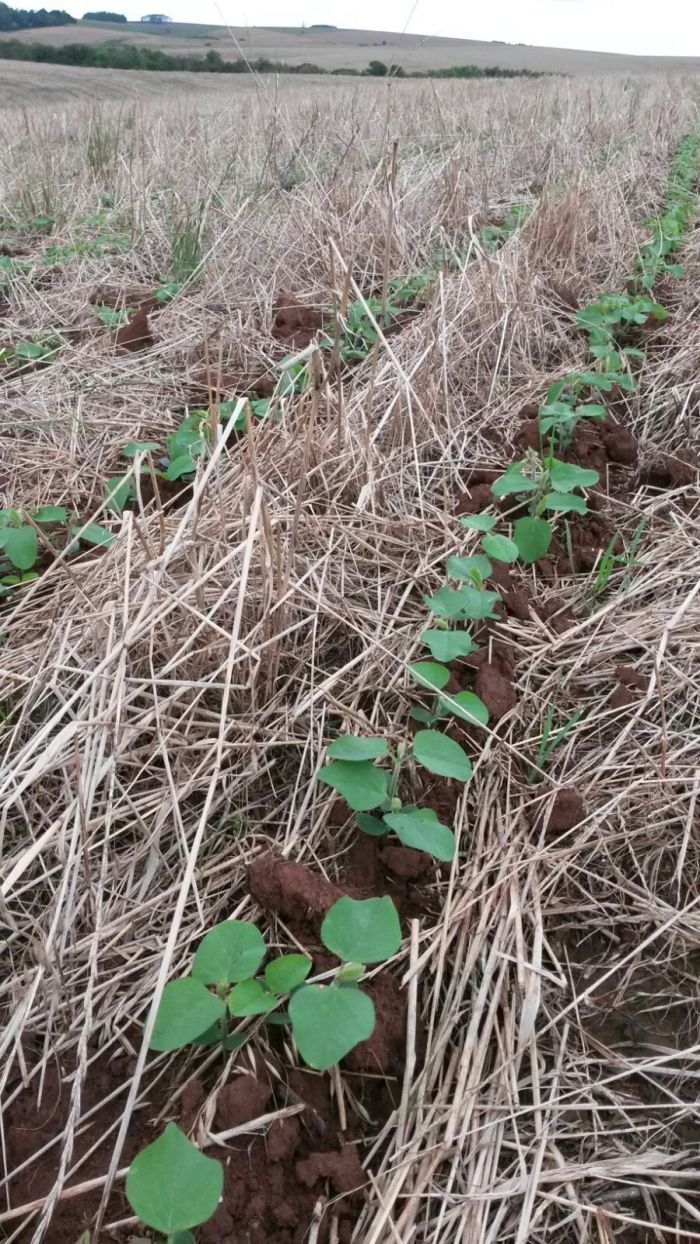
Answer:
[(333, 49), (167, 695)]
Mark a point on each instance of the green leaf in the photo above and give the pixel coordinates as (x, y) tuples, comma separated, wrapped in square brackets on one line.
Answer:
[(479, 522), (328, 1022), (287, 973), (478, 604), (446, 602), (50, 514), (361, 784), (447, 645), (118, 490), (533, 537), (186, 1010), (171, 1186), (94, 533), (440, 754), (468, 706), (565, 476), (500, 548), (231, 951), (364, 930), (465, 567), (370, 825), (430, 674), (183, 464), (20, 545), (566, 503), (30, 350), (132, 448), (422, 830), (211, 1036), (514, 480), (250, 998), (353, 747)]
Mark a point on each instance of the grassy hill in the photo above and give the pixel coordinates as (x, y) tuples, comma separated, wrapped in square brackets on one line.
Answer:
[(333, 49)]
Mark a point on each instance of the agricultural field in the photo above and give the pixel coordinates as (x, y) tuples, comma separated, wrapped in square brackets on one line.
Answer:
[(332, 48), (349, 630)]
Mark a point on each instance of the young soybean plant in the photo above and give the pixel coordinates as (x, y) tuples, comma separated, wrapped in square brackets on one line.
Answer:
[(170, 1184), (547, 484), (368, 788), (327, 1021)]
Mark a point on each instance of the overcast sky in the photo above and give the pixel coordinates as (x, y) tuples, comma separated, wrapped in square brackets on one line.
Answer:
[(669, 28)]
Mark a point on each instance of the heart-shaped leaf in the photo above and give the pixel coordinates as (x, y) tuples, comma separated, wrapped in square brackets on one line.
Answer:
[(352, 747), (447, 645), (230, 951), (476, 567), (286, 973), (441, 755), (533, 537), (364, 930), (564, 476), (370, 825), (250, 998), (171, 1186), (20, 545), (50, 514), (361, 784), (479, 522), (468, 706), (566, 503), (430, 674), (329, 1022), (186, 1010), (500, 548), (421, 829)]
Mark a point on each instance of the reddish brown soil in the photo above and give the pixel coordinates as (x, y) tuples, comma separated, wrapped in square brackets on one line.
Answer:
[(229, 384), (666, 471), (291, 890), (567, 810), (295, 323), (137, 299), (630, 684), (31, 1121), (136, 334)]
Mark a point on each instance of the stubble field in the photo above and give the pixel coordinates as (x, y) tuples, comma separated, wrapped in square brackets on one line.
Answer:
[(259, 356)]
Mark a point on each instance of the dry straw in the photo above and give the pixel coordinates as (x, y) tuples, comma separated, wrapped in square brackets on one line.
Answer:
[(165, 705)]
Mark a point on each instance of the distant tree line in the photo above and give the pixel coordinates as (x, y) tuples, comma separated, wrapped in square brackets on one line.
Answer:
[(130, 56), (102, 16), (28, 19)]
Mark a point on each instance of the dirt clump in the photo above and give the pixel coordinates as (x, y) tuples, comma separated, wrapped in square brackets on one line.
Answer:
[(241, 1100), (667, 471), (567, 810), (136, 334), (404, 862), (385, 1050), (291, 890), (294, 322), (342, 1169), (630, 684), (121, 299), (494, 680)]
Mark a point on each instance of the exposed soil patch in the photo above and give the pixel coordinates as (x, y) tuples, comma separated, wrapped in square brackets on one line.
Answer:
[(295, 323), (136, 299), (136, 334), (291, 890), (666, 471)]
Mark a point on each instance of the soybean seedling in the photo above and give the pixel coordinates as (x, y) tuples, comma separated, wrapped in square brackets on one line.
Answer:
[(327, 1020), (546, 484)]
